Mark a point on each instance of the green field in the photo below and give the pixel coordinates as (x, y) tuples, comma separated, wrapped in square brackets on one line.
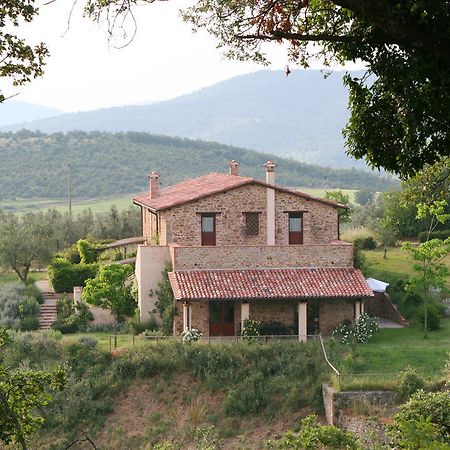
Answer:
[(99, 205), (11, 277)]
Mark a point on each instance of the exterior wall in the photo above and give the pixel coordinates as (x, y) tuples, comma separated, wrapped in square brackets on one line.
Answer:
[(149, 226), (150, 262), (381, 306), (182, 223), (261, 257), (283, 311), (320, 221), (101, 316), (332, 312)]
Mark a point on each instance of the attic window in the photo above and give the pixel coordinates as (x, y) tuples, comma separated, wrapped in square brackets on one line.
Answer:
[(251, 223)]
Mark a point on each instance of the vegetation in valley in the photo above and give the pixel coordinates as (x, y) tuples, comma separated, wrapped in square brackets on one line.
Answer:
[(102, 167)]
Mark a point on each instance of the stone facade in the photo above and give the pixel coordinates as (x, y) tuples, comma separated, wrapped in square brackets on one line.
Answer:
[(333, 312), (262, 257), (181, 224)]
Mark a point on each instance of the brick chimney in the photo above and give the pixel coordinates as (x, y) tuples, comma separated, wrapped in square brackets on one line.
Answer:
[(269, 167), (234, 167), (154, 184)]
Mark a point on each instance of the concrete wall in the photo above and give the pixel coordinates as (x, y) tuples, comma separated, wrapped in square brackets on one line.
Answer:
[(261, 257), (182, 223), (335, 402), (381, 306), (101, 316), (150, 262)]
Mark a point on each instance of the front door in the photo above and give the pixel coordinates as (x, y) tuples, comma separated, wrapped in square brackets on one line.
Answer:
[(208, 229), (221, 318)]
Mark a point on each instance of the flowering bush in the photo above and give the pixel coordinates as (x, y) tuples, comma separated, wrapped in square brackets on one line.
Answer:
[(191, 335), (251, 328), (361, 332)]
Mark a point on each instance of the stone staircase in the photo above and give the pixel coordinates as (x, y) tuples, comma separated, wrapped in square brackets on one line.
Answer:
[(47, 316)]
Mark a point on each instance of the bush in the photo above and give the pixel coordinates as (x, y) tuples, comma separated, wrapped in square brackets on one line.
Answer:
[(88, 251), (29, 324), (251, 328), (135, 326), (434, 317), (444, 234), (17, 304), (71, 316), (409, 382), (312, 436), (72, 254), (365, 243), (359, 259), (166, 302), (423, 407), (361, 332), (64, 275)]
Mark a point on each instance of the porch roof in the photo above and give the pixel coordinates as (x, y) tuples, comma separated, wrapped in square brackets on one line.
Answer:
[(269, 284)]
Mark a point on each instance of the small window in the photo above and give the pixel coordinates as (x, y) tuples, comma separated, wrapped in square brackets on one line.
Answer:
[(252, 224), (295, 228)]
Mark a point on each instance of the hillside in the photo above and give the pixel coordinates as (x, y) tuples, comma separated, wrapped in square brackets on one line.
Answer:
[(35, 165), (14, 112), (301, 116)]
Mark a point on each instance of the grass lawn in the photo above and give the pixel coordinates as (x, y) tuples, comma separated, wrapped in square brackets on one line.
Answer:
[(392, 350), (398, 263), (97, 205), (10, 277)]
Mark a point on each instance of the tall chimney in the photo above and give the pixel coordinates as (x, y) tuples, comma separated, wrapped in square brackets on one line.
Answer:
[(269, 167), (154, 184), (234, 167)]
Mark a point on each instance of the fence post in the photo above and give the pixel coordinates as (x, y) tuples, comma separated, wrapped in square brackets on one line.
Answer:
[(115, 342)]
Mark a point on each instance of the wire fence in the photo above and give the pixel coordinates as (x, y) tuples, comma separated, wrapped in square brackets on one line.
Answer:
[(117, 341)]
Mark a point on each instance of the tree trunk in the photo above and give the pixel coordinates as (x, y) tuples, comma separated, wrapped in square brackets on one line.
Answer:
[(385, 251), (15, 420), (425, 316)]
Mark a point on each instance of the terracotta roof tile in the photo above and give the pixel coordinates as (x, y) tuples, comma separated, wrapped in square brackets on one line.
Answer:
[(269, 283), (200, 187)]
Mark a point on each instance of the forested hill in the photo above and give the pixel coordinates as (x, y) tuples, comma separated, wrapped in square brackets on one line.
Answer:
[(301, 116), (103, 164)]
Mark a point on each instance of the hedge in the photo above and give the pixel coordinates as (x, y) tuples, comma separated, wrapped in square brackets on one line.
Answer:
[(64, 275), (444, 234)]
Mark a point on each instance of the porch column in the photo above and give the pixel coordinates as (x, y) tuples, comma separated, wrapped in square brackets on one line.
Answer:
[(302, 322), (186, 316), (359, 309), (245, 313)]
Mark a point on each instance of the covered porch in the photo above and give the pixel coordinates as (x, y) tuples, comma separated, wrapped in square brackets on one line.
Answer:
[(298, 302)]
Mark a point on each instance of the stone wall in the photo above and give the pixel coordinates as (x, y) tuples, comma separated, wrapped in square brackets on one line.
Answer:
[(336, 402), (262, 257), (182, 223), (283, 311), (381, 306), (332, 312)]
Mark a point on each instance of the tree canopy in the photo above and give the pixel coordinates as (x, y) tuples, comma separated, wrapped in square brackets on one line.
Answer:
[(400, 113)]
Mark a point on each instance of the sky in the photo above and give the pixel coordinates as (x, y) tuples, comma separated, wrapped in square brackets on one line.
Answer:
[(164, 60)]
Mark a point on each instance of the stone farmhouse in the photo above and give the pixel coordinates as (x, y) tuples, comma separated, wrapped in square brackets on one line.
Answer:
[(242, 249)]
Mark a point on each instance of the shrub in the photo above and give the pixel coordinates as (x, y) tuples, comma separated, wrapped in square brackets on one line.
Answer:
[(312, 436), (135, 326), (72, 254), (361, 332), (434, 317), (88, 251), (359, 259), (444, 234), (365, 243), (166, 301), (29, 324), (409, 382), (251, 328), (191, 335), (18, 305), (64, 275), (71, 316), (423, 407)]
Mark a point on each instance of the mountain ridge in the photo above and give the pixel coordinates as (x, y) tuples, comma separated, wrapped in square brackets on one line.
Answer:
[(300, 116)]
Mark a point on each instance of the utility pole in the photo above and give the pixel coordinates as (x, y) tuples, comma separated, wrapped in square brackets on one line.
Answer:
[(69, 193)]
